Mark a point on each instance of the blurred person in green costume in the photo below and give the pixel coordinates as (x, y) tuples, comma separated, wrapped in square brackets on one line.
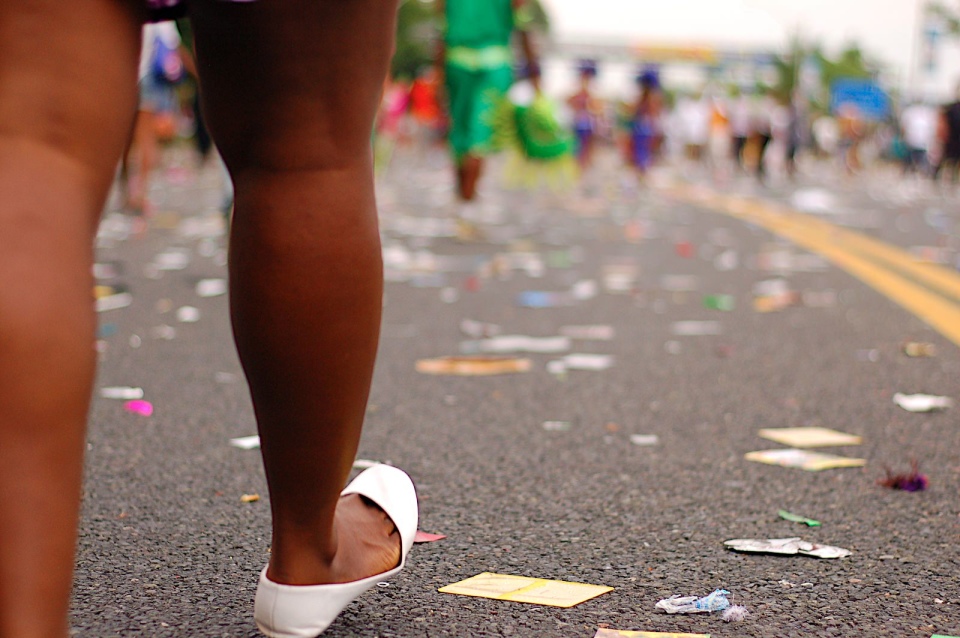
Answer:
[(477, 61)]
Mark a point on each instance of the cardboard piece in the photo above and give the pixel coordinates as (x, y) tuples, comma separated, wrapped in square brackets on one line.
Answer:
[(803, 459), (520, 589), (810, 437)]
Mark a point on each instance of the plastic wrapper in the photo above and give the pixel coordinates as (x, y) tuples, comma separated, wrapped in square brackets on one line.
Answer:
[(716, 601)]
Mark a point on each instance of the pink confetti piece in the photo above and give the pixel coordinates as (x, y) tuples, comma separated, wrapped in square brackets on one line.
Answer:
[(143, 408), (427, 537)]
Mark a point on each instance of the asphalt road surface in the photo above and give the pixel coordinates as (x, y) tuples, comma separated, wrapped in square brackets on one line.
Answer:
[(167, 547)]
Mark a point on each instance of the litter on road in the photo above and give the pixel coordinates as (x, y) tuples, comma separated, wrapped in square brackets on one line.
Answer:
[(644, 440), (918, 349), (211, 287), (588, 333), (114, 302), (912, 481), (246, 442), (715, 601), (426, 537), (803, 459), (143, 408), (587, 361), (785, 547), (922, 402), (249, 498), (735, 613), (795, 518), (520, 589), (188, 314), (121, 392), (473, 366), (809, 437), (517, 343)]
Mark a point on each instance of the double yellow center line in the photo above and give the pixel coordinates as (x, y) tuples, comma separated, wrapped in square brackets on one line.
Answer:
[(927, 290)]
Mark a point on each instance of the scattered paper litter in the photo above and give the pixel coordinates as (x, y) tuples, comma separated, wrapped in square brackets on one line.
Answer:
[(922, 402), (786, 547), (188, 314), (426, 537), (364, 464), (587, 361), (644, 440), (809, 437), (173, 259), (520, 589), (113, 302), (246, 442), (803, 459), (249, 498), (143, 408), (919, 349), (211, 287), (814, 200), (557, 426), (588, 333), (121, 392), (473, 366), (695, 328), (517, 343)]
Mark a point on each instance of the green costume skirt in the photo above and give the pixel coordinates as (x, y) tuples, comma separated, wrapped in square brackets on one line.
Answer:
[(475, 96)]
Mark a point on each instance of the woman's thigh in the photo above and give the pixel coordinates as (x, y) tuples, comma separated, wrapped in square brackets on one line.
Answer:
[(68, 78)]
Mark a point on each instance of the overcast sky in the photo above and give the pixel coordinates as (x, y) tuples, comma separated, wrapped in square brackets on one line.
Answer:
[(884, 28)]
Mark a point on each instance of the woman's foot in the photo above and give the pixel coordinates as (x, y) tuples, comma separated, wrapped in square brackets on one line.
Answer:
[(367, 543)]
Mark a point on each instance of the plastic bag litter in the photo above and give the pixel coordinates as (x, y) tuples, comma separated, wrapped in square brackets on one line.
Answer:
[(716, 601)]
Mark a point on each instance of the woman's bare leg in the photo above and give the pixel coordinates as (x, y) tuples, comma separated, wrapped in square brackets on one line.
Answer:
[(67, 96), (290, 90)]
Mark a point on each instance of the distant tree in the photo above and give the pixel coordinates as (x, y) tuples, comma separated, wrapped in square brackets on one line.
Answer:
[(418, 26), (949, 16), (849, 63)]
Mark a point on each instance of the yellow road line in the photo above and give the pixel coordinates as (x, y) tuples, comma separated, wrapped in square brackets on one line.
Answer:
[(872, 261)]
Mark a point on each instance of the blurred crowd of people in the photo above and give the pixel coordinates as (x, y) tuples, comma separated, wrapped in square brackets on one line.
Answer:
[(728, 130)]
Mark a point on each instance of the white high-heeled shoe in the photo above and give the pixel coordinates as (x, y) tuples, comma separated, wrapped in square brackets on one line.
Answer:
[(305, 611)]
